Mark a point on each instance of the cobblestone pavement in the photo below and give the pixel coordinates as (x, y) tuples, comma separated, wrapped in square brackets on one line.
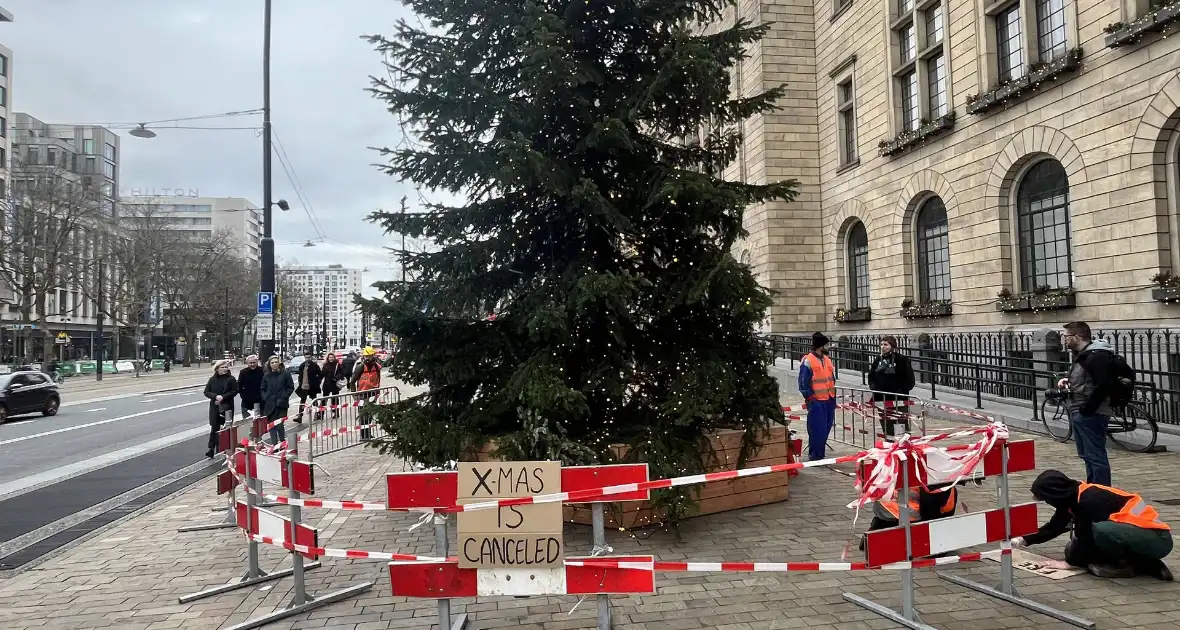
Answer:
[(129, 577)]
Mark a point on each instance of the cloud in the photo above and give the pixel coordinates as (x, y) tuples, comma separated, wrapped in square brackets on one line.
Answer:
[(146, 60)]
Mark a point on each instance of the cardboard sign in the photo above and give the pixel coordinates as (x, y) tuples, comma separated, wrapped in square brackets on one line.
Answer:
[(1032, 563), (517, 536)]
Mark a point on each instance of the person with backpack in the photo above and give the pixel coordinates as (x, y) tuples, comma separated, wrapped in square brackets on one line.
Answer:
[(1097, 381)]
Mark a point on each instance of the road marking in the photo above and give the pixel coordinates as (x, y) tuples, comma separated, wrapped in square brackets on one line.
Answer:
[(148, 400), (100, 422), (93, 410)]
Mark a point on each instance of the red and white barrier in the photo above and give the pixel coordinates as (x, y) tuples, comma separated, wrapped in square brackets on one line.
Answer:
[(353, 554), (276, 527), (887, 546), (273, 469), (783, 567), (439, 490), (938, 465), (445, 580)]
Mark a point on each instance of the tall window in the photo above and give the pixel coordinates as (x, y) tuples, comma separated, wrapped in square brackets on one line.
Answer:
[(920, 69), (1010, 54), (1050, 29), (1042, 208), (936, 82), (934, 25), (934, 252), (858, 266), (909, 101), (846, 113)]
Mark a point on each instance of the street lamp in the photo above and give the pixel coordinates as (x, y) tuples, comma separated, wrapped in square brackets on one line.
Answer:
[(267, 245), (142, 131)]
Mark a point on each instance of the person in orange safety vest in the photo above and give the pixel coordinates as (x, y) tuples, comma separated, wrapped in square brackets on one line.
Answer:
[(926, 504), (1115, 532), (817, 384)]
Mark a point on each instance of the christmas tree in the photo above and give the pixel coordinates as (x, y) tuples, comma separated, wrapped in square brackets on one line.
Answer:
[(586, 294)]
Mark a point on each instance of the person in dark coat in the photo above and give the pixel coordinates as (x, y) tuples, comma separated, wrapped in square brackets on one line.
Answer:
[(891, 378), (308, 379), (250, 385), (220, 390), (333, 377), (349, 365), (277, 388)]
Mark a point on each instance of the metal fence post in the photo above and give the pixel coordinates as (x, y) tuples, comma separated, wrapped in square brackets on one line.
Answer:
[(230, 521), (598, 527), (441, 550)]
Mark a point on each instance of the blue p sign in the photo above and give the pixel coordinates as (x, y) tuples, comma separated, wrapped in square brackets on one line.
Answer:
[(266, 303)]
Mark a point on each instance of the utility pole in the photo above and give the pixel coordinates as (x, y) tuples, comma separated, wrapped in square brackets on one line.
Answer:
[(102, 342), (267, 244), (325, 330)]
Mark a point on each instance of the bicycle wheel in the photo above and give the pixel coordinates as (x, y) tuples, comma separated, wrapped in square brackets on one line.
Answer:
[(1056, 423), (1133, 428)]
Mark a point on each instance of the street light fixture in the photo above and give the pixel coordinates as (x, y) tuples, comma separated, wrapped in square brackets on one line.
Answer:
[(142, 132)]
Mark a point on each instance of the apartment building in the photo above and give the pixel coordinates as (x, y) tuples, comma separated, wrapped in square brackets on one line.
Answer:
[(202, 217), (5, 104), (88, 151), (329, 290), (965, 166)]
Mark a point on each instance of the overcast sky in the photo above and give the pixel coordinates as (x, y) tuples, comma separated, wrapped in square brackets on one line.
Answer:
[(97, 61)]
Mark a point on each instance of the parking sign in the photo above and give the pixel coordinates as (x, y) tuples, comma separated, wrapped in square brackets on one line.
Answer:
[(266, 303)]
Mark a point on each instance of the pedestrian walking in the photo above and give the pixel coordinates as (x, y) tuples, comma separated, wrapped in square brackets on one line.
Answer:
[(220, 390), (891, 378), (366, 379), (1089, 385), (349, 365), (1116, 534), (250, 385), (308, 379), (277, 388), (334, 378), (817, 384)]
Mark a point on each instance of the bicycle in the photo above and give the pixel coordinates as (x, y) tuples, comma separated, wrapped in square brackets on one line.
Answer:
[(1131, 427)]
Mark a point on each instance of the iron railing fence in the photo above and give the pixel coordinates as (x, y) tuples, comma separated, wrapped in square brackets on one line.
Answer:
[(1010, 364)]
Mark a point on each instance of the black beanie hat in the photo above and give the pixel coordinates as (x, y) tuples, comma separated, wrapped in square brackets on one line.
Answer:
[(818, 340), (1056, 489)]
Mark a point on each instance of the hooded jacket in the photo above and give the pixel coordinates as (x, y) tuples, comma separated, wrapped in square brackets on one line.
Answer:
[(1096, 504), (1090, 379)]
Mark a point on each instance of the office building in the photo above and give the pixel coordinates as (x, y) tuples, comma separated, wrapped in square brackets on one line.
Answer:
[(5, 104), (326, 293), (965, 166), (88, 151), (202, 217)]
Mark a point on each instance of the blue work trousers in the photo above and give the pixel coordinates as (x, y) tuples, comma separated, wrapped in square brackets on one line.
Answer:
[(821, 417)]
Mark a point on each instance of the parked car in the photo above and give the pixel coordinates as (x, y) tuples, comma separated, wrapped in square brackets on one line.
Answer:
[(28, 392)]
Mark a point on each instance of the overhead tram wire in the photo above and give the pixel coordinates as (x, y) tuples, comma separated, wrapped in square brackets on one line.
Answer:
[(132, 125), (297, 184)]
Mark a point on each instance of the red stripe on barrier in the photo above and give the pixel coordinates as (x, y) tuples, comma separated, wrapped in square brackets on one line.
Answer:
[(1021, 458), (265, 523), (886, 546), (445, 580), (439, 490)]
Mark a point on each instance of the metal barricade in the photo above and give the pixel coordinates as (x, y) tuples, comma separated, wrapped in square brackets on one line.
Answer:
[(338, 421), (861, 421)]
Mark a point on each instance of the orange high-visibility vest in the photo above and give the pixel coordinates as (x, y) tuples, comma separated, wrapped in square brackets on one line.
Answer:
[(823, 376), (369, 378), (1135, 511), (947, 508)]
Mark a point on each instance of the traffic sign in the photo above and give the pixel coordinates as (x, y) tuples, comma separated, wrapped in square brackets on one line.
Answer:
[(266, 303), (264, 326)]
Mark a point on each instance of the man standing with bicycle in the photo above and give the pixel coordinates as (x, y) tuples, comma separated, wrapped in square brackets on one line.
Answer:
[(1089, 384)]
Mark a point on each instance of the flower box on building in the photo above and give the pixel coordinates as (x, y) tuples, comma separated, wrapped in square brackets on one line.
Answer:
[(907, 139), (1037, 74), (938, 308), (847, 316), (1166, 294), (1053, 300), (1156, 20), (1013, 304)]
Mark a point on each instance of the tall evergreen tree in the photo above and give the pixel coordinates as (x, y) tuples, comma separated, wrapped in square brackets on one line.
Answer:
[(586, 294)]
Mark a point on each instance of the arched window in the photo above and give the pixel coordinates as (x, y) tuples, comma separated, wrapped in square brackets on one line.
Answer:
[(934, 252), (858, 266), (1042, 210)]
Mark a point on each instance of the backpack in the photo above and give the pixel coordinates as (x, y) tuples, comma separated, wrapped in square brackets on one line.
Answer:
[(1122, 387)]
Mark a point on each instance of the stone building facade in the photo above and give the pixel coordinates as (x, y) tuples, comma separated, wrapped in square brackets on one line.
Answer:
[(965, 165)]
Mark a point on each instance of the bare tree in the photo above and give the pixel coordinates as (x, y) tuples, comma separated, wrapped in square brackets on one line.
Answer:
[(192, 265), (298, 307), (224, 302), (48, 230)]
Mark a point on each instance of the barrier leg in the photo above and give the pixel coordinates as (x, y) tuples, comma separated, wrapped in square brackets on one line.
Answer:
[(301, 601), (908, 616), (1007, 590), (230, 521), (598, 525), (444, 605)]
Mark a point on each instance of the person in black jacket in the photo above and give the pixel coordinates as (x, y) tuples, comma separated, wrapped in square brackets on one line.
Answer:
[(220, 390), (333, 375), (250, 385), (277, 388), (1088, 385), (308, 379), (1115, 533), (891, 377)]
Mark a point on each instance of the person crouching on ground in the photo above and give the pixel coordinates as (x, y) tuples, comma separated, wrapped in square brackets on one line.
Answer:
[(926, 504), (220, 390), (277, 388), (1116, 533), (817, 384), (891, 378)]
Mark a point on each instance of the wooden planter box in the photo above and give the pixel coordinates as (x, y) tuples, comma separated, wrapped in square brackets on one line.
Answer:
[(714, 497), (1166, 294)]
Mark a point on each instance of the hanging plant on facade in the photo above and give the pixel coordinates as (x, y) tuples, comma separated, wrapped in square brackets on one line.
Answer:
[(1043, 298), (907, 139), (1037, 74), (1158, 18), (850, 315), (1167, 287), (925, 310)]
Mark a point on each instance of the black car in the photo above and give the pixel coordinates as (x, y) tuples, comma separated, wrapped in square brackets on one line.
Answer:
[(28, 392)]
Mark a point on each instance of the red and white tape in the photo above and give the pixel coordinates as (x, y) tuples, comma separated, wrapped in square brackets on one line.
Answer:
[(344, 553), (308, 503), (889, 404), (783, 567)]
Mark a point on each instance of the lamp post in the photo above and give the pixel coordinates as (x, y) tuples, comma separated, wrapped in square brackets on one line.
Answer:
[(267, 245), (102, 316)]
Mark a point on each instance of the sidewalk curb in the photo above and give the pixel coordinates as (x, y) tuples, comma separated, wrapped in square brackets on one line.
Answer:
[(171, 389)]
